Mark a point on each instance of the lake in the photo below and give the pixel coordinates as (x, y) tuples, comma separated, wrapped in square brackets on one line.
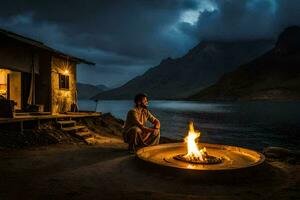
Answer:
[(248, 124)]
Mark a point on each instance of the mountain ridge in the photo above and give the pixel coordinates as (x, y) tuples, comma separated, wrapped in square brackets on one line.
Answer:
[(86, 91), (181, 77), (273, 76)]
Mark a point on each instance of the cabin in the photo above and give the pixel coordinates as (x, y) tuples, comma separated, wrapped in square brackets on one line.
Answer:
[(36, 77)]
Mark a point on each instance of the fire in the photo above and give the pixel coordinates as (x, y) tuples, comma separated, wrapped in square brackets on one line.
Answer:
[(196, 155), (193, 151)]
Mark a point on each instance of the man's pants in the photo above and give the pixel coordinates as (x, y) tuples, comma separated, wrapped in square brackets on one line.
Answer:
[(136, 138)]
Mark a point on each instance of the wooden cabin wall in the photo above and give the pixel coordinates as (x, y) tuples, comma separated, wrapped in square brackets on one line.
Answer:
[(16, 56), (43, 82), (15, 88), (62, 99), (25, 81)]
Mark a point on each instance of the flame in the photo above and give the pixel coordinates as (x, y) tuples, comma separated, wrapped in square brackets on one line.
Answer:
[(193, 151)]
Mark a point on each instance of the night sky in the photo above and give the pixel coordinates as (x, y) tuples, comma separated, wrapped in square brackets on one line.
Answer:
[(126, 37)]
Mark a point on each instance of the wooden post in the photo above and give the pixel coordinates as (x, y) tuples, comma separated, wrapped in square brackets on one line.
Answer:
[(21, 127), (39, 123)]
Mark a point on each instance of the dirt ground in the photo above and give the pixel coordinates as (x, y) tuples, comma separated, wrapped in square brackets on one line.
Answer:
[(107, 171)]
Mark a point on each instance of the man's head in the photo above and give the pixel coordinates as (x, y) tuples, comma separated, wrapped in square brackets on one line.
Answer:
[(141, 100)]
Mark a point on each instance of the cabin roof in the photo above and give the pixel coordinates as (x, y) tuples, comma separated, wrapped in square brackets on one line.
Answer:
[(41, 45)]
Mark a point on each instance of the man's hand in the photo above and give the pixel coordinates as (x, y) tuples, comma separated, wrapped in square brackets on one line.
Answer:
[(157, 124), (148, 129), (151, 131), (156, 132)]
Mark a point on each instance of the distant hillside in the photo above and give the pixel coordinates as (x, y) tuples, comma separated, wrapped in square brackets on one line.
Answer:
[(273, 76), (199, 68), (102, 87), (86, 91)]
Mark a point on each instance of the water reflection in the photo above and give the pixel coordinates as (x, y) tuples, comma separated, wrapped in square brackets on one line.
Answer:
[(248, 124), (185, 106)]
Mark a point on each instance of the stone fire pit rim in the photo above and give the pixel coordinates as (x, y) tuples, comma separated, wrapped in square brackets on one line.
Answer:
[(261, 159)]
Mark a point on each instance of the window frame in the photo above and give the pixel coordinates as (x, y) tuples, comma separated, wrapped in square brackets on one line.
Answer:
[(64, 81)]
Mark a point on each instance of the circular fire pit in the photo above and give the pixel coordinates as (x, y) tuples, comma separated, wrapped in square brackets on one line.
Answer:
[(219, 157)]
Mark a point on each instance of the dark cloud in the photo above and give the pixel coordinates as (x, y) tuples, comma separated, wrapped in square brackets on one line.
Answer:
[(130, 27), (247, 19), (127, 37), (111, 33)]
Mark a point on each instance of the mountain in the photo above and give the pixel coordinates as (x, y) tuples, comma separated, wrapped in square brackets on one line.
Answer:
[(272, 76), (102, 87), (199, 68), (86, 91)]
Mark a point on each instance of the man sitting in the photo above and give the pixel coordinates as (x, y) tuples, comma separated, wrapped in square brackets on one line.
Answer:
[(135, 133)]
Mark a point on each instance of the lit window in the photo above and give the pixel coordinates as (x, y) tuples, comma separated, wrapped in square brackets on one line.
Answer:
[(3, 82), (63, 81)]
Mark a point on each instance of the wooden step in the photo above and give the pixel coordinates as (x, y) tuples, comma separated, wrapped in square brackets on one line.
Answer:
[(73, 128), (68, 129), (82, 128), (66, 124), (91, 141), (87, 136), (84, 134)]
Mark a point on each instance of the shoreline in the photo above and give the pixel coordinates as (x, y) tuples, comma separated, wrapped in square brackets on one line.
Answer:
[(105, 170)]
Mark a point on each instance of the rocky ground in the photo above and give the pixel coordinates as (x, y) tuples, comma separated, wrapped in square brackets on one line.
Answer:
[(48, 133), (105, 170)]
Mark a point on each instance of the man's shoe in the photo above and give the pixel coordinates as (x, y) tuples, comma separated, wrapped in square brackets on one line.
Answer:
[(131, 149)]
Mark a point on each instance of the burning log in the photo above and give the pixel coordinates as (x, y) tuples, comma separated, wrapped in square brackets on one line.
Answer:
[(194, 154)]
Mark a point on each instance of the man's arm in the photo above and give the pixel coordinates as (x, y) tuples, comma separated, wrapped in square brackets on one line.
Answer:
[(153, 120), (156, 124), (134, 116)]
